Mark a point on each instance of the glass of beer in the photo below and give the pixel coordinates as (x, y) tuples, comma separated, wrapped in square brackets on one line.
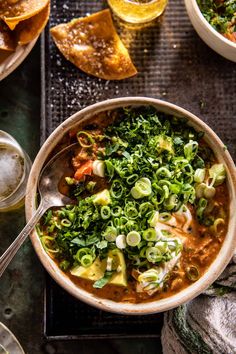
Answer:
[(15, 167), (138, 11)]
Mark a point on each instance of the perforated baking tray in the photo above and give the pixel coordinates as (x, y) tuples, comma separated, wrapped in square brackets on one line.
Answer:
[(174, 65)]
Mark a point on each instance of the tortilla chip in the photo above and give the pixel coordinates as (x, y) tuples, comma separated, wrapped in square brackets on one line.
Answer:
[(14, 11), (7, 38), (92, 44), (30, 29)]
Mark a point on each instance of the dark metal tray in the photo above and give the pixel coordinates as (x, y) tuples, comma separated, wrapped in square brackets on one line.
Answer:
[(68, 318), (173, 64)]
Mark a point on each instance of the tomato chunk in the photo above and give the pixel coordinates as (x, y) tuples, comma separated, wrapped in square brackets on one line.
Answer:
[(85, 169)]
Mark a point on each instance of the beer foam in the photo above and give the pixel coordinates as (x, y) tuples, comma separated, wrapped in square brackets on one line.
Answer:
[(11, 170)]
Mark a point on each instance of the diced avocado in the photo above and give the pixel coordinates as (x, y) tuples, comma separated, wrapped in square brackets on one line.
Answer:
[(97, 270), (102, 198), (164, 143), (94, 272), (119, 277)]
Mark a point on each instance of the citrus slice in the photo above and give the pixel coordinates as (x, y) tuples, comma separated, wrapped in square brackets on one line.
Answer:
[(15, 11), (93, 45)]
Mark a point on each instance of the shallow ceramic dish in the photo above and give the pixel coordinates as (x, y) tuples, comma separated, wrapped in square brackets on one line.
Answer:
[(164, 304), (208, 34), (15, 59), (8, 342)]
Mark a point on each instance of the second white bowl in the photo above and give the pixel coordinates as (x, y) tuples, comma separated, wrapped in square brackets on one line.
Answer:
[(208, 34)]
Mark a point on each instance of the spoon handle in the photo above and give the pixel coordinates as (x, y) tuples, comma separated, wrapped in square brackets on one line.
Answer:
[(8, 255)]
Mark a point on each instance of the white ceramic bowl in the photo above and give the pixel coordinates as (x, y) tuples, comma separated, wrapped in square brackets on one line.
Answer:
[(8, 342), (216, 267), (15, 59), (208, 34)]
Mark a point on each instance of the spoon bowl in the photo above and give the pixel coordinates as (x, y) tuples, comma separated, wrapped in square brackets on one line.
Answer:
[(52, 174), (50, 195)]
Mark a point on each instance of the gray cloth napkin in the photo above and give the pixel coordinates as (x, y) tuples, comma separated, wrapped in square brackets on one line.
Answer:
[(206, 324)]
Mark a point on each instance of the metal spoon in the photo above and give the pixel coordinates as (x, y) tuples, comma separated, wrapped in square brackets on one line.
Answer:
[(50, 196)]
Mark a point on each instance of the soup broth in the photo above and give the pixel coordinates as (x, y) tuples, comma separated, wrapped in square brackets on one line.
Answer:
[(152, 207)]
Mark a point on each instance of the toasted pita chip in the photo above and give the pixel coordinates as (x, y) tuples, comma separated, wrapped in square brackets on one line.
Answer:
[(7, 38), (29, 29), (15, 11), (92, 44)]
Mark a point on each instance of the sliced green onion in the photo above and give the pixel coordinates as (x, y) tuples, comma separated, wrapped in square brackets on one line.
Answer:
[(217, 173), (66, 223), (162, 246), (190, 149), (145, 208), (64, 265), (202, 204), (143, 252), (116, 222), (99, 168), (133, 238), (121, 241), (117, 189), (153, 255), (154, 219), (110, 234), (82, 252), (86, 260), (116, 211), (171, 202), (165, 191), (109, 169), (71, 215), (200, 190), (199, 175), (142, 188), (192, 273), (150, 276), (132, 179), (209, 192), (131, 211), (217, 226), (85, 136), (163, 217), (105, 212), (38, 230), (44, 240), (145, 180), (90, 186), (187, 169), (70, 181), (175, 188), (150, 235), (163, 172), (164, 182)]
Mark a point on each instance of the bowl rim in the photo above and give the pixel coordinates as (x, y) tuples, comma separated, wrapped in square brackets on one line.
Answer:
[(217, 266), (12, 62), (208, 26)]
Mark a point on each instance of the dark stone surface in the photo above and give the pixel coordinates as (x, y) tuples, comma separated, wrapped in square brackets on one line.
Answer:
[(186, 72)]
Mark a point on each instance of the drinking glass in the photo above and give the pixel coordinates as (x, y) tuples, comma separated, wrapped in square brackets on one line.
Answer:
[(15, 167), (138, 11)]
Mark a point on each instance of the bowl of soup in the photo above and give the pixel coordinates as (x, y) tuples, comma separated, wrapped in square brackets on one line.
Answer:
[(151, 223), (215, 21)]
